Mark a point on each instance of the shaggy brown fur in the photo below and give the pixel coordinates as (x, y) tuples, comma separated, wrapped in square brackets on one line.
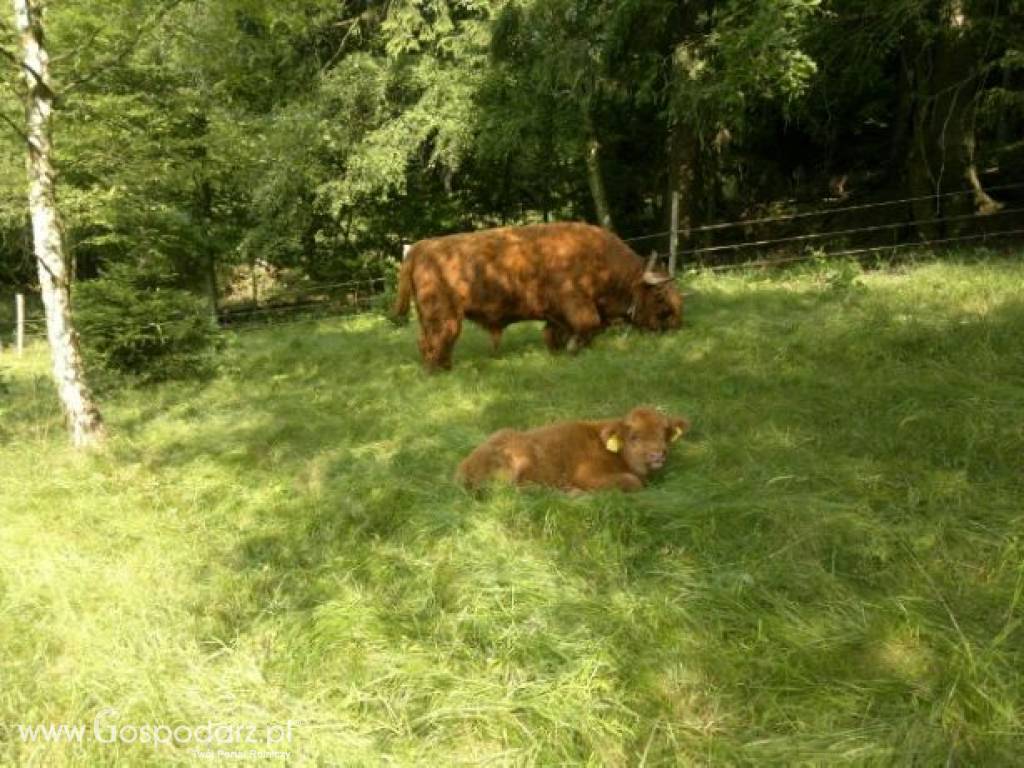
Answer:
[(576, 277), (576, 455)]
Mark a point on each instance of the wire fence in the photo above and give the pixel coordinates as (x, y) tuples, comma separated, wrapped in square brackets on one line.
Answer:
[(848, 231), (307, 302), (369, 295), (826, 211), (839, 233), (854, 253)]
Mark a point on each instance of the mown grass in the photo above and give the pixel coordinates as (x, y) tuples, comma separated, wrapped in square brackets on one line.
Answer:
[(829, 570)]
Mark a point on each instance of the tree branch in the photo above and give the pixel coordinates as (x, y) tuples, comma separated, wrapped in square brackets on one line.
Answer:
[(128, 48), (15, 127), (70, 54), (19, 63)]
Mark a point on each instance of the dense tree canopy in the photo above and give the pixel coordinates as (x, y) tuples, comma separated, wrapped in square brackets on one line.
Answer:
[(321, 134)]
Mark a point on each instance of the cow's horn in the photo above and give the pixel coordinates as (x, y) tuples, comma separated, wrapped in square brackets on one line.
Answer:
[(651, 262), (653, 278)]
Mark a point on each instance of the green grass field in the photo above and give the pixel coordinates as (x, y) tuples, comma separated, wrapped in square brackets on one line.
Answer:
[(829, 571)]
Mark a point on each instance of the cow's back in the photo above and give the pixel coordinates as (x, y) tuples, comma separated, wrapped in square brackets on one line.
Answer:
[(517, 273)]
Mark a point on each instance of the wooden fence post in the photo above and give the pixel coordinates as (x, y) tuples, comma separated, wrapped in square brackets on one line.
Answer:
[(673, 238), (19, 308)]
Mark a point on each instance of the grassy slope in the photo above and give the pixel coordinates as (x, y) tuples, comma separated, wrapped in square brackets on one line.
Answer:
[(829, 569)]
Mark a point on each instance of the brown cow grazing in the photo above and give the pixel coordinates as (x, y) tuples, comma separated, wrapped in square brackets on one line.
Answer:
[(576, 277), (576, 455)]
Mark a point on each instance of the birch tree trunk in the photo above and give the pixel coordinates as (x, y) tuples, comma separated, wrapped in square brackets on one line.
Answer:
[(83, 416)]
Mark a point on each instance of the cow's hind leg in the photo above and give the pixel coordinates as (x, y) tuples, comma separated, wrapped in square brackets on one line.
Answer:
[(450, 334), (497, 459), (555, 336)]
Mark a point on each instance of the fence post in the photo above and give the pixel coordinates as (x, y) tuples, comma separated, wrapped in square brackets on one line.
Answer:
[(19, 309), (254, 283), (673, 238)]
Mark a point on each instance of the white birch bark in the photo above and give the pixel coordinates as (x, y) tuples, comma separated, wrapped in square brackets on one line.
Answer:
[(83, 416)]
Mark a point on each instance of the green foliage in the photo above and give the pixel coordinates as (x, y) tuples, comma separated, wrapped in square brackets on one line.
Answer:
[(827, 572), (136, 321), (753, 54), (435, 51), (320, 135)]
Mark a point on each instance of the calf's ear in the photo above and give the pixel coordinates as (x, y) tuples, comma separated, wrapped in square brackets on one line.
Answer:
[(676, 428), (612, 436)]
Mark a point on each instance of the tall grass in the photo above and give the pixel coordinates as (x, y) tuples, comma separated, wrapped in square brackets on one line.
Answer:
[(828, 571)]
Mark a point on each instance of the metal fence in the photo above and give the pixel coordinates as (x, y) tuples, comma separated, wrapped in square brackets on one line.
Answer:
[(838, 231), (750, 243)]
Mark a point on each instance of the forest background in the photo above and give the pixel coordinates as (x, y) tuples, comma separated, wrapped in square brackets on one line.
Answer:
[(317, 136)]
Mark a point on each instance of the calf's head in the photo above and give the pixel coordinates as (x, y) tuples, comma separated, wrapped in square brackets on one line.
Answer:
[(642, 438), (657, 303)]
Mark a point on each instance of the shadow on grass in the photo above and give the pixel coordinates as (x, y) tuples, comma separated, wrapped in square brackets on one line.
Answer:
[(825, 557)]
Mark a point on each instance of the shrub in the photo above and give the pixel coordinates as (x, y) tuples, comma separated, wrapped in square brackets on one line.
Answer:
[(135, 321)]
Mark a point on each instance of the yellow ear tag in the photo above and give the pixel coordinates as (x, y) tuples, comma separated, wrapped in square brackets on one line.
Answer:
[(614, 444), (676, 434)]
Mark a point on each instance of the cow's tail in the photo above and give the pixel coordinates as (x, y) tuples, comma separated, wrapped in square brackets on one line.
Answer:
[(401, 310)]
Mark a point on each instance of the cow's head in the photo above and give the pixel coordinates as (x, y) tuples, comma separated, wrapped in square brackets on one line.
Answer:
[(642, 438), (657, 303)]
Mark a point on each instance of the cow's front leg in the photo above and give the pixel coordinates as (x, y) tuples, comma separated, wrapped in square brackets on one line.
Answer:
[(495, 331), (584, 321), (595, 481)]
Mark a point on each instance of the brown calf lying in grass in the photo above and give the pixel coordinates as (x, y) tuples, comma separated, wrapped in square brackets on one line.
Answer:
[(576, 455)]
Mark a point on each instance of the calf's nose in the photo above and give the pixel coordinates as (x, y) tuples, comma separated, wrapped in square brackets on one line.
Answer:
[(656, 458)]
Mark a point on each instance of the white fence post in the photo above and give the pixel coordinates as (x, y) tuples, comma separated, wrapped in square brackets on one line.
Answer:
[(673, 238), (19, 308)]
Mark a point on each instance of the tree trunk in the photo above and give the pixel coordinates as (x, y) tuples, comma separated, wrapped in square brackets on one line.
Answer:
[(983, 202), (594, 176), (82, 414), (902, 123), (1003, 131), (210, 280), (684, 178), (682, 143), (944, 74), (208, 259)]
